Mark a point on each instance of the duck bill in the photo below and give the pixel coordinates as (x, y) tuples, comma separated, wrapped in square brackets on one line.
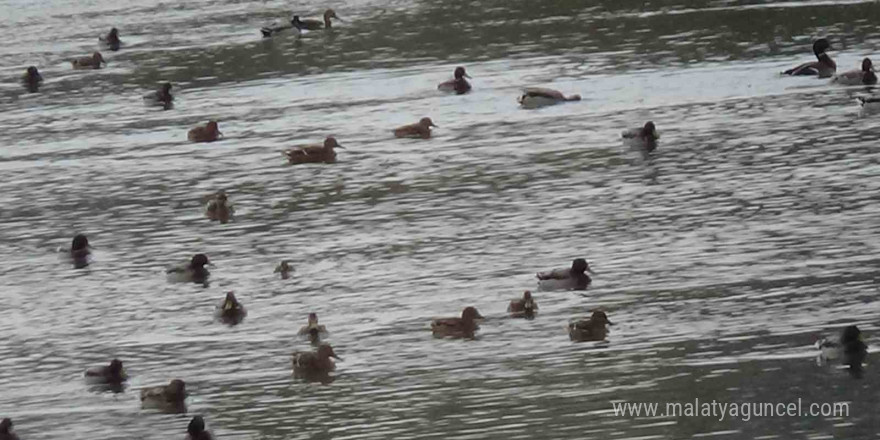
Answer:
[(340, 146), (336, 357), (467, 76), (591, 271), (609, 322)]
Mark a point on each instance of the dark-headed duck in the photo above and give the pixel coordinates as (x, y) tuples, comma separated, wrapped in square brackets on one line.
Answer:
[(315, 362), (849, 349), (314, 153), (113, 373), (458, 84), (591, 329), (196, 430), (171, 396), (421, 129), (6, 430), (192, 272), (535, 97), (209, 132), (523, 307), (824, 66), (865, 76), (92, 62), (32, 79), (219, 208), (161, 97), (230, 310), (463, 327), (111, 40), (574, 278), (80, 251), (315, 24), (643, 137)]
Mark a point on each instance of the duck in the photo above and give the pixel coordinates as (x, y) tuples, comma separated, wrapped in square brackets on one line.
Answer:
[(421, 129), (824, 67), (80, 251), (209, 132), (457, 327), (6, 430), (535, 97), (574, 278), (219, 208), (312, 326), (170, 396), (864, 76), (315, 24), (523, 307), (458, 84), (590, 329), (161, 97), (113, 373), (644, 137), (32, 79), (295, 24), (284, 268), (111, 40), (315, 362), (230, 310), (849, 349), (92, 62), (314, 153), (192, 272), (196, 429)]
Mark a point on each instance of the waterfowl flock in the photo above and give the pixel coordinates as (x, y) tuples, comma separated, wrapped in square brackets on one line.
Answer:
[(849, 349)]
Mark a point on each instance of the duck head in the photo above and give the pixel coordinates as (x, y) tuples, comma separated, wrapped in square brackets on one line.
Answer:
[(599, 317), (579, 266), (867, 65), (850, 334), (221, 196), (325, 351), (470, 314), (80, 242), (329, 13), (313, 319), (166, 88), (196, 426), (213, 128), (6, 426), (115, 368), (198, 261), (230, 303), (330, 143), (426, 122), (114, 34), (97, 58), (176, 390), (820, 46), (649, 131), (528, 302), (34, 74), (460, 73)]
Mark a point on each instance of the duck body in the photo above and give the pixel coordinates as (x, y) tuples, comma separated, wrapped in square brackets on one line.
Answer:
[(864, 76), (536, 97), (849, 349), (192, 272), (644, 138), (171, 396), (323, 153), (463, 327), (823, 67), (219, 208), (315, 362), (111, 40), (92, 62), (196, 430), (209, 132), (458, 84), (590, 329), (313, 24), (573, 278), (110, 374), (161, 97), (524, 307), (230, 311), (32, 79), (295, 24), (421, 129)]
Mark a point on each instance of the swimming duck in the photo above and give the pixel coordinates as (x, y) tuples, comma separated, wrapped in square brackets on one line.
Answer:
[(111, 40), (457, 327), (196, 430), (112, 373), (421, 129), (644, 137), (295, 24), (92, 62), (312, 326), (315, 362), (574, 278), (6, 430), (161, 97), (314, 23), (535, 97), (230, 310), (192, 272), (523, 307), (824, 67), (169, 396), (209, 132), (80, 251), (284, 269), (314, 153), (850, 349), (32, 79), (219, 208), (459, 84), (591, 329), (865, 76)]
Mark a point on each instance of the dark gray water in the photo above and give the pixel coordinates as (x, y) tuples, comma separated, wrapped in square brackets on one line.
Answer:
[(752, 231)]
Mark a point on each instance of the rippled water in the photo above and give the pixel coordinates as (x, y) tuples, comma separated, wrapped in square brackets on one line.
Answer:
[(751, 231)]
